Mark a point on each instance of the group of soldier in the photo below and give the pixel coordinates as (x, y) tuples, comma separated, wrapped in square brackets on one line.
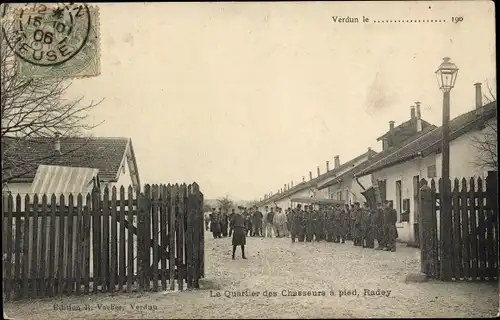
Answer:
[(332, 223), (362, 225), (256, 224)]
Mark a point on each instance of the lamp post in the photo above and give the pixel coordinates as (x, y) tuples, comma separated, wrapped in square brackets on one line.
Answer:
[(446, 76)]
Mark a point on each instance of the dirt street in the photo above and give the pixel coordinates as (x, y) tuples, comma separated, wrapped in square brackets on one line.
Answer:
[(289, 281)]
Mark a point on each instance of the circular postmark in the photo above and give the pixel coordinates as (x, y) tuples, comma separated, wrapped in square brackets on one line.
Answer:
[(46, 35)]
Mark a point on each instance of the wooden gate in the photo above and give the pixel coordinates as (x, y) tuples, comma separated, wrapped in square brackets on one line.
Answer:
[(473, 254), (103, 242)]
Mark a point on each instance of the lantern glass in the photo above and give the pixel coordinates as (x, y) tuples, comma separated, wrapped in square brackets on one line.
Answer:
[(447, 75)]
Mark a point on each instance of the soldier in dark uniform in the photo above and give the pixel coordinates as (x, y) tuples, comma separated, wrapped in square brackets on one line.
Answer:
[(257, 220), (239, 233), (337, 224), (207, 222), (302, 224), (378, 226), (347, 221), (230, 223), (225, 224), (361, 213), (358, 215), (214, 224), (295, 223), (315, 233), (390, 230), (352, 223), (367, 227), (221, 222), (248, 218), (330, 232), (288, 212), (344, 223), (321, 223), (308, 223)]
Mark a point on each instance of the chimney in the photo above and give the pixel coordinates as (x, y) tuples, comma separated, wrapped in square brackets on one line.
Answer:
[(284, 187), (291, 183), (303, 178), (310, 175), (479, 95), (327, 166), (318, 172), (337, 162), (419, 117), (412, 112), (288, 187), (57, 143), (391, 125)]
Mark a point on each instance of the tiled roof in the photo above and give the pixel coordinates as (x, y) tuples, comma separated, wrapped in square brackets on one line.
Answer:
[(374, 159), (313, 183), (431, 141), (404, 127), (21, 158)]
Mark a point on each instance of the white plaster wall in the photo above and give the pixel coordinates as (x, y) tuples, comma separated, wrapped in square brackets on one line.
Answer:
[(463, 156), (404, 172)]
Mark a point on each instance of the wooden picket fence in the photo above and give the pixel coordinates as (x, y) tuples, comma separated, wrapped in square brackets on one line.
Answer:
[(103, 242), (472, 253)]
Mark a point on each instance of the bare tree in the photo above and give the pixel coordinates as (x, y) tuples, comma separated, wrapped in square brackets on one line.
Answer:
[(253, 203), (225, 203), (485, 144), (34, 108), (206, 207)]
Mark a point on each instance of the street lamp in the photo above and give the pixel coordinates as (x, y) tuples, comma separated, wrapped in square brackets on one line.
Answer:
[(446, 76)]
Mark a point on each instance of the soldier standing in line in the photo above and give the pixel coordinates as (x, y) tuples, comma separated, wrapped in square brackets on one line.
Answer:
[(367, 227), (344, 223), (230, 223), (358, 216), (308, 223), (225, 224), (239, 234), (330, 233), (347, 221), (352, 223), (391, 232), (288, 220), (248, 219), (361, 215), (214, 224), (337, 222), (295, 223), (378, 226), (322, 222), (316, 233), (219, 218), (303, 224), (257, 217), (207, 222)]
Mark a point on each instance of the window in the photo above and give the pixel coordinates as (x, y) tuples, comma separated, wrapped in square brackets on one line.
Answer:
[(385, 145), (339, 195), (405, 214), (399, 200), (431, 171)]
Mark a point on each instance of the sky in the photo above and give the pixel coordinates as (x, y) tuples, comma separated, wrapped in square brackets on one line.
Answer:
[(244, 97)]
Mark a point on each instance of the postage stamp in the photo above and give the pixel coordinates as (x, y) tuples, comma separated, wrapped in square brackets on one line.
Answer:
[(53, 40)]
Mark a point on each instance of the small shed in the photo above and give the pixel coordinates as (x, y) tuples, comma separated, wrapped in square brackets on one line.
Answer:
[(59, 180)]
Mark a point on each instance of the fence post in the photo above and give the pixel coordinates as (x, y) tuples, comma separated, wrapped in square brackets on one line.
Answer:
[(424, 216), (492, 209), (428, 230)]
